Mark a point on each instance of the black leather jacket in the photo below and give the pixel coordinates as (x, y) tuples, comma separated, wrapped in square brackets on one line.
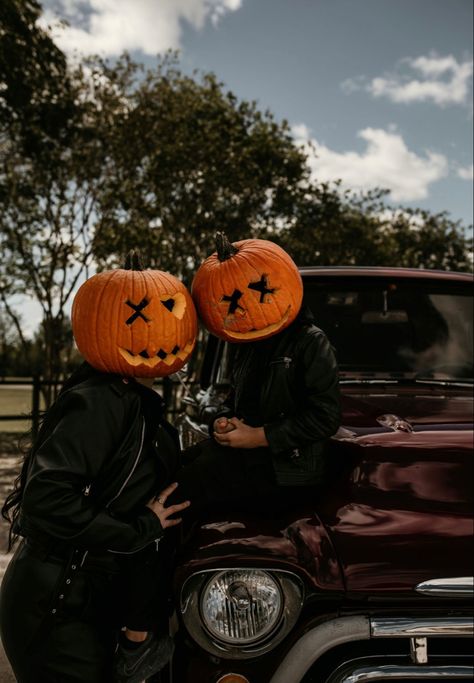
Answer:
[(298, 399), (102, 452), (91, 448)]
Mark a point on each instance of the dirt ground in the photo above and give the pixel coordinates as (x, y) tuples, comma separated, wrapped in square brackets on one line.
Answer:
[(10, 459)]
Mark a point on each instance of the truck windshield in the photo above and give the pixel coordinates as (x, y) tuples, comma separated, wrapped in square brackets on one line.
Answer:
[(396, 329)]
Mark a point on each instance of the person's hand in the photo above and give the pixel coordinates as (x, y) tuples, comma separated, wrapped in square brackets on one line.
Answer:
[(241, 435), (222, 425), (157, 505)]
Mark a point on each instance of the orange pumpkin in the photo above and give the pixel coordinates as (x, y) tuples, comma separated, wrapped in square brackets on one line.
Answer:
[(138, 323), (247, 290)]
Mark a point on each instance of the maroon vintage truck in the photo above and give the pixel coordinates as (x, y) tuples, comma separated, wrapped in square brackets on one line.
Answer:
[(373, 581)]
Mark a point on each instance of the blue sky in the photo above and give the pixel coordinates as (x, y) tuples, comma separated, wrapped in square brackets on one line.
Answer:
[(383, 88)]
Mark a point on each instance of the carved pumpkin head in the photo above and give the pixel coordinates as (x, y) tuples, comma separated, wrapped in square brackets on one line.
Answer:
[(247, 290), (138, 323)]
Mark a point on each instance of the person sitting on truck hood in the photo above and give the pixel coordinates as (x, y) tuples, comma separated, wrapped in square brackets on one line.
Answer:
[(268, 439)]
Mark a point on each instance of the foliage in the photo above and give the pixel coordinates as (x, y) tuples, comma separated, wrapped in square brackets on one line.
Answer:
[(26, 358), (46, 228), (8, 343), (48, 172), (36, 102), (336, 228), (185, 158), (421, 239), (188, 158)]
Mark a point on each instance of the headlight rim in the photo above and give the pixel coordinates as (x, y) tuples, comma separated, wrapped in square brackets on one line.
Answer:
[(292, 587)]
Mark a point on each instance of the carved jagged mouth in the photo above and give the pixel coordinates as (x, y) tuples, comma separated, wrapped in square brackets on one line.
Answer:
[(161, 356), (257, 334)]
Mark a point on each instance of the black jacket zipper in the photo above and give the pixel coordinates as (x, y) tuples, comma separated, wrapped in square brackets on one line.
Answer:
[(137, 458), (134, 467)]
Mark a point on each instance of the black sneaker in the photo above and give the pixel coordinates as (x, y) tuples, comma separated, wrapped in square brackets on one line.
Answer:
[(137, 664)]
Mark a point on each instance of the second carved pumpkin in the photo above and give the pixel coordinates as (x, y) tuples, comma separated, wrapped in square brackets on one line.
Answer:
[(247, 290)]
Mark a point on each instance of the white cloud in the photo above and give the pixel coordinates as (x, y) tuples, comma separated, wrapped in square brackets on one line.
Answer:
[(442, 80), (386, 162), (466, 172), (108, 27)]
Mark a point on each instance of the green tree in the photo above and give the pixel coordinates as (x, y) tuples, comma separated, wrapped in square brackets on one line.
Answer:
[(8, 342), (47, 224), (36, 101), (188, 158), (421, 239), (49, 168), (45, 202), (343, 228)]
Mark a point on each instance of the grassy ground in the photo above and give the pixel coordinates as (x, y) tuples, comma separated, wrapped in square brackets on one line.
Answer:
[(15, 400)]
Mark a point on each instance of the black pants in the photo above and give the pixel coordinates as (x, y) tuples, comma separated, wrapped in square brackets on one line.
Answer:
[(73, 644), (76, 643), (146, 580)]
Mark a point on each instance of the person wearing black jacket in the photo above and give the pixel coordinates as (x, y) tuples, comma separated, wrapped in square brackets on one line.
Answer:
[(84, 506), (268, 440), (80, 600)]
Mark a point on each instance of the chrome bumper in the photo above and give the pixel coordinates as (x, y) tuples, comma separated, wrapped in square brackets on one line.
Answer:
[(330, 634), (392, 672)]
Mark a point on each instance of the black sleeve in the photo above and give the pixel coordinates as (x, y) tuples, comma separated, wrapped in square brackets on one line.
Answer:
[(320, 416), (69, 459)]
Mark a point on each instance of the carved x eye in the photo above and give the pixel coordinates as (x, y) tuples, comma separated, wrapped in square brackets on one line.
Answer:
[(233, 300), (138, 311), (262, 287)]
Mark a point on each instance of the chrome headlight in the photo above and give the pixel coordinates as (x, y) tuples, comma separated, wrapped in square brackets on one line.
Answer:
[(241, 606), (240, 612)]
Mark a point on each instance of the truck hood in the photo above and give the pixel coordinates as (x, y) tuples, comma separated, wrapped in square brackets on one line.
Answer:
[(420, 404), (296, 542), (397, 510), (402, 514)]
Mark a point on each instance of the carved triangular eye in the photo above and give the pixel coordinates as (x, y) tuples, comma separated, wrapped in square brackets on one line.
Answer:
[(168, 303), (262, 287), (175, 304)]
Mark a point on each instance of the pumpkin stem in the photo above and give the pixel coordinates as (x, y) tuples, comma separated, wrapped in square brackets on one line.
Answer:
[(224, 248), (133, 260)]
